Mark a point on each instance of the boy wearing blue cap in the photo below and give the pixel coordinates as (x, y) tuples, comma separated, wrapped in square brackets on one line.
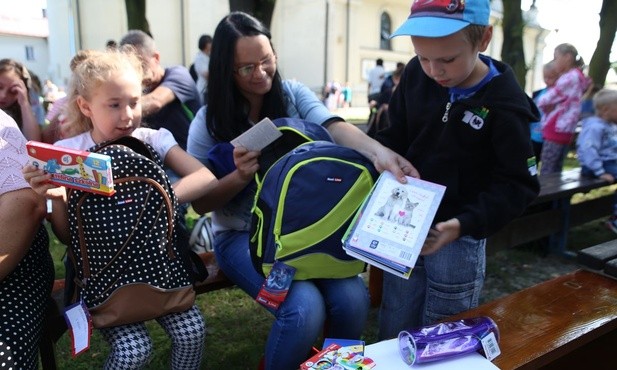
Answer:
[(463, 121)]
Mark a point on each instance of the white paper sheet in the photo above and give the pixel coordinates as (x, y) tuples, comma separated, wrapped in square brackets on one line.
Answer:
[(258, 136)]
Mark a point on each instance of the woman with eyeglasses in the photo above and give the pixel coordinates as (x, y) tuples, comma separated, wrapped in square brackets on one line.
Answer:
[(243, 88)]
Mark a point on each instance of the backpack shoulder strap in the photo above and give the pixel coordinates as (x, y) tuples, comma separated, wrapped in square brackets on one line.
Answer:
[(295, 133), (134, 143), (312, 131)]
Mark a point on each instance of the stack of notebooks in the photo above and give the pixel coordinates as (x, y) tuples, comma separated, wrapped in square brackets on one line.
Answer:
[(392, 224)]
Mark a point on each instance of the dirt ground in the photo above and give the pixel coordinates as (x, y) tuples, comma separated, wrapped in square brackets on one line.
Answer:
[(515, 269)]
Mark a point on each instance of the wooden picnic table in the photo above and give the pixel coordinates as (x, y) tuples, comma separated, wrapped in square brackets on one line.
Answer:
[(552, 213)]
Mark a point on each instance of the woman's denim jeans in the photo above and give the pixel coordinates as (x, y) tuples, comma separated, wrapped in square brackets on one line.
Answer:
[(441, 284), (340, 304)]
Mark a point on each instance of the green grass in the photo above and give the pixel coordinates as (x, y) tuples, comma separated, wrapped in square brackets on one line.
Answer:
[(237, 328)]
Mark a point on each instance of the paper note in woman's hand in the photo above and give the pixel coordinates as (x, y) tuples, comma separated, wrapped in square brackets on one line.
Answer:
[(258, 136)]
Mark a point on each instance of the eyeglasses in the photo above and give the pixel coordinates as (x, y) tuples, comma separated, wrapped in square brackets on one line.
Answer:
[(247, 70)]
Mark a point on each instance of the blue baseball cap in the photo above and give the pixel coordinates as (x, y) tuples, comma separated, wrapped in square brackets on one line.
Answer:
[(438, 18)]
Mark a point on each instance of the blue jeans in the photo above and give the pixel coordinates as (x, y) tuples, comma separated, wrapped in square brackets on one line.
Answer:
[(441, 284), (338, 306)]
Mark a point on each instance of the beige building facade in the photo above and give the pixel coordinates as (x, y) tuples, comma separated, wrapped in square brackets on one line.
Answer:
[(316, 40)]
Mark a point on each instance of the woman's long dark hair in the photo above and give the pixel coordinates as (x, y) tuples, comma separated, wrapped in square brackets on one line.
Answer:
[(227, 114)]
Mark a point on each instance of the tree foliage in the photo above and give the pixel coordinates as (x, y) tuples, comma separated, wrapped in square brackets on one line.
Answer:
[(600, 61), (136, 15), (261, 9), (512, 51)]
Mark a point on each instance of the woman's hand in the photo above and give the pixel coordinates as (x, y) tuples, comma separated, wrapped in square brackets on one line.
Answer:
[(246, 162), (29, 126), (383, 158), (21, 93)]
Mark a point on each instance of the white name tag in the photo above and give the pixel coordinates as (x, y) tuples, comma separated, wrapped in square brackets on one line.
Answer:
[(80, 327)]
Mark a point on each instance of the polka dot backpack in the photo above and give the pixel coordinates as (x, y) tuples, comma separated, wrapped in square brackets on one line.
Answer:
[(124, 247)]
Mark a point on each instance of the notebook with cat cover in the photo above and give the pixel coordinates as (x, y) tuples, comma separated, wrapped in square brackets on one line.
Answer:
[(391, 226)]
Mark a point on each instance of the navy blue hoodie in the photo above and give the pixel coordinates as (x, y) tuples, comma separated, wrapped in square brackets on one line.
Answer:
[(479, 147)]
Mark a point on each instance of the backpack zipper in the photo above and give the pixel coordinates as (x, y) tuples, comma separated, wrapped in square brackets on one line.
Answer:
[(278, 221)]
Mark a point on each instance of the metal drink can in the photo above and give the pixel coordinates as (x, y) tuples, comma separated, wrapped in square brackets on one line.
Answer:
[(444, 340)]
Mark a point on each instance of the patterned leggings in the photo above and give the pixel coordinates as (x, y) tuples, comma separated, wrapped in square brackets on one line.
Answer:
[(553, 155), (131, 346)]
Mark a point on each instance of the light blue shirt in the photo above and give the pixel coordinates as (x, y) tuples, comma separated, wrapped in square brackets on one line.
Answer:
[(597, 143), (236, 215)]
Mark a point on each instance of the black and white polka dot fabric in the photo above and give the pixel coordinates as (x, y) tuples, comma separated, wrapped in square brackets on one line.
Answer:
[(24, 296), (129, 237)]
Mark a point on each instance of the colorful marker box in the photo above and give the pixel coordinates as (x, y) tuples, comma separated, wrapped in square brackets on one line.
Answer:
[(77, 169)]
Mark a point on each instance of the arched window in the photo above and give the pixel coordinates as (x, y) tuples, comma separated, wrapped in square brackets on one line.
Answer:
[(385, 30)]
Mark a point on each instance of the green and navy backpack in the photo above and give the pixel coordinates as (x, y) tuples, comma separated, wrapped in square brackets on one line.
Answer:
[(308, 190)]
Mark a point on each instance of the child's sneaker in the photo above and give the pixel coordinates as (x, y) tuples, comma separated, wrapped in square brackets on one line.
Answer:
[(611, 223)]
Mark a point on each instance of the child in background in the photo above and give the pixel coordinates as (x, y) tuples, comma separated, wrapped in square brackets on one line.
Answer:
[(561, 108), (587, 109), (56, 115), (462, 120), (15, 97), (104, 104), (36, 100), (550, 77), (597, 143)]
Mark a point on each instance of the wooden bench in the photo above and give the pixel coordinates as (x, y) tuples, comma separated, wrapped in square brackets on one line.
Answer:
[(552, 214), (54, 325), (569, 322)]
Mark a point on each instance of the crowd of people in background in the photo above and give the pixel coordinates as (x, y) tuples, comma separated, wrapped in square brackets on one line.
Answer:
[(189, 115), (561, 108), (46, 101)]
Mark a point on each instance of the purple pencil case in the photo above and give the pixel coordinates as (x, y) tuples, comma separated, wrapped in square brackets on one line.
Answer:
[(445, 340)]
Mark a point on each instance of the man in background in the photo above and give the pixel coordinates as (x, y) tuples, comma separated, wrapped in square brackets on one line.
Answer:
[(376, 77), (201, 63), (170, 97)]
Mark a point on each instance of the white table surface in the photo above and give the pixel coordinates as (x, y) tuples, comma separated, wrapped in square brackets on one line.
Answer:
[(386, 357)]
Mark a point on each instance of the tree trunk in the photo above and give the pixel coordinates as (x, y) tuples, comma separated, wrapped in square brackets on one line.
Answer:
[(261, 9), (512, 51), (600, 62), (136, 15)]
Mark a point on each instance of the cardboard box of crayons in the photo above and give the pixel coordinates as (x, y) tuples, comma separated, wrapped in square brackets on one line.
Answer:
[(77, 169)]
